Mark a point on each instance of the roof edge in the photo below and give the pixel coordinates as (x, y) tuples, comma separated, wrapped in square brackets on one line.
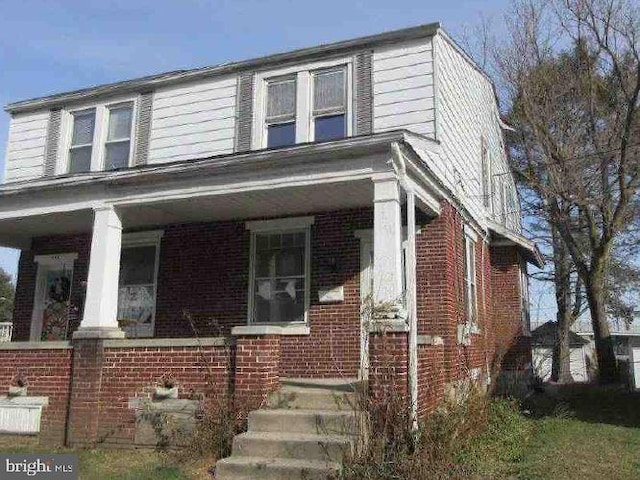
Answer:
[(180, 76), (531, 251)]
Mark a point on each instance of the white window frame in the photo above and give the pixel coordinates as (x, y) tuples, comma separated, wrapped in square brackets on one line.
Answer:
[(471, 278), (304, 99), (99, 133), (525, 304), (280, 226), (152, 238)]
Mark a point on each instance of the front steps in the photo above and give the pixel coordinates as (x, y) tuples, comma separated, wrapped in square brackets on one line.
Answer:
[(305, 433)]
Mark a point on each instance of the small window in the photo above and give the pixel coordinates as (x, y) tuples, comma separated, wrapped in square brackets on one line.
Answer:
[(81, 149), (470, 281), (279, 290), (137, 290), (118, 143), (329, 105), (281, 113)]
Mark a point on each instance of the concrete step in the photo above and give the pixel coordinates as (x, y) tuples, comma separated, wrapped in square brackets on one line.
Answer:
[(310, 398), (257, 468), (302, 446), (334, 384), (327, 422)]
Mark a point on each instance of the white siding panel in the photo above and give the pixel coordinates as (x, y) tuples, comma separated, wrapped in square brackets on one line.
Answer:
[(24, 157), (403, 88), (192, 121), (466, 112)]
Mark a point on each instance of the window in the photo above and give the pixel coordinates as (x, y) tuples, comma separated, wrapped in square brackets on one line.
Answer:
[(279, 286), (524, 299), (281, 112), (470, 280), (98, 138), (138, 283), (329, 104), (118, 143), (303, 103), (81, 149)]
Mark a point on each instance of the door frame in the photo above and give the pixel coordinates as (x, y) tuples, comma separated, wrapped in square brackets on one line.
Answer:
[(46, 263)]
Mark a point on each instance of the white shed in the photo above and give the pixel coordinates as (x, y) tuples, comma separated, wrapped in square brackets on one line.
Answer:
[(542, 342)]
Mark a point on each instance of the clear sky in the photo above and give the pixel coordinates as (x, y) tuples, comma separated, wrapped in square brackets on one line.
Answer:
[(51, 46)]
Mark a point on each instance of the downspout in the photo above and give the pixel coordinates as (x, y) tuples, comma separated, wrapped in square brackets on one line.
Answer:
[(401, 173)]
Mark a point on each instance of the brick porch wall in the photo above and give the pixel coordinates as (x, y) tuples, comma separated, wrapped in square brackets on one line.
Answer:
[(48, 374)]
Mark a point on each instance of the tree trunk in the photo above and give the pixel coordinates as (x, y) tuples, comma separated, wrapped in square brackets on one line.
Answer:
[(607, 366), (560, 365)]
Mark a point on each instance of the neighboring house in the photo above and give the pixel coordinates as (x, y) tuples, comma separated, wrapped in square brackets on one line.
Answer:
[(242, 214), (626, 344), (543, 339)]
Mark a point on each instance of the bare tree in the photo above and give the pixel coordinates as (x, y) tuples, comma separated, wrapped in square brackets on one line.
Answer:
[(571, 72)]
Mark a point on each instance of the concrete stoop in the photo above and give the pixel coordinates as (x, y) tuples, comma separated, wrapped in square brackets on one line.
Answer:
[(304, 434)]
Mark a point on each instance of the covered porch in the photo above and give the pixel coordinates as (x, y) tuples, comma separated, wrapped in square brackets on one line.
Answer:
[(286, 241)]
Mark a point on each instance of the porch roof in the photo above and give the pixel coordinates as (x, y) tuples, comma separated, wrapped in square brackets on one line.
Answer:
[(294, 180)]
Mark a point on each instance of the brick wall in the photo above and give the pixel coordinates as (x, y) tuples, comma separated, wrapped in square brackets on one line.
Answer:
[(135, 372), (204, 272), (430, 378), (47, 372), (388, 365)]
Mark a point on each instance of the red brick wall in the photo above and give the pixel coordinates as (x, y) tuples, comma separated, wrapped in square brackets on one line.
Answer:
[(430, 378), (513, 350), (47, 373), (135, 372), (388, 365), (204, 272), (257, 370)]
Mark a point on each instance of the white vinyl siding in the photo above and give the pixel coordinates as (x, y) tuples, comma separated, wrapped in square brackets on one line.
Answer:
[(193, 121), (403, 88), (24, 158), (467, 113)]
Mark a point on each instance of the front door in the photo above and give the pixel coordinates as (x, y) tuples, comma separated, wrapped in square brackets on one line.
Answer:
[(366, 290), (50, 319)]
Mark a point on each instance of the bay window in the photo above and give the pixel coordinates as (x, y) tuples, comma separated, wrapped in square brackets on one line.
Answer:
[(280, 258)]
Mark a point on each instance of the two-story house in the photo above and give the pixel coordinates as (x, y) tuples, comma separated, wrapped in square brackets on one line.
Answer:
[(280, 214)]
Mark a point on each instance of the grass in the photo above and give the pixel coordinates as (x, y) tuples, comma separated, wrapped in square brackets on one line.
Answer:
[(581, 433)]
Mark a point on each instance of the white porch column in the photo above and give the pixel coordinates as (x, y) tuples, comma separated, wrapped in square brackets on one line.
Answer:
[(387, 240), (101, 303)]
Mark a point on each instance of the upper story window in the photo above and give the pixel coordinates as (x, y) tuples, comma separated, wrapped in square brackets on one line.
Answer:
[(281, 112), (99, 138), (303, 104), (117, 151), (81, 149), (329, 104)]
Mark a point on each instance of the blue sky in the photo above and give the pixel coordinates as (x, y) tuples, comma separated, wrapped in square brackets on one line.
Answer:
[(52, 46)]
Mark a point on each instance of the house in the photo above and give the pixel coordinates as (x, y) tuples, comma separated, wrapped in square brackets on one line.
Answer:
[(242, 215), (626, 344), (543, 340)]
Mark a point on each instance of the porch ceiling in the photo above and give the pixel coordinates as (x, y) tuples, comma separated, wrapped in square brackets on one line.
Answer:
[(275, 202)]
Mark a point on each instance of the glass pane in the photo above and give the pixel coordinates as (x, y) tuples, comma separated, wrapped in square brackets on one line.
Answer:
[(83, 126), (137, 265), (290, 262), (281, 98), (135, 305), (119, 123), (116, 155), (281, 135), (329, 128), (80, 159), (328, 92), (262, 263)]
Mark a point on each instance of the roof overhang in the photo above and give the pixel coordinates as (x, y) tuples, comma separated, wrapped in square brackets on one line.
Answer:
[(528, 249)]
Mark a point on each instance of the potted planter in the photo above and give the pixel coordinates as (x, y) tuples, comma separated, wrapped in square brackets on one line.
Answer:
[(163, 393), (18, 391)]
